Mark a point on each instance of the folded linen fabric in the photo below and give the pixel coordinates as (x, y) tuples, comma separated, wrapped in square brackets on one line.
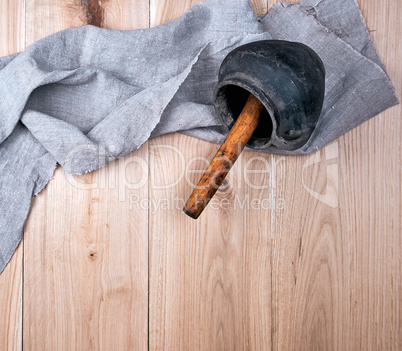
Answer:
[(85, 96)]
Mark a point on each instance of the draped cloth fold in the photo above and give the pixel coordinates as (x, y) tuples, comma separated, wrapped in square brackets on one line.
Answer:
[(85, 96)]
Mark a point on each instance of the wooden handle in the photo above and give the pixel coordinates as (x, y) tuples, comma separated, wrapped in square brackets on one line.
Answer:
[(224, 159)]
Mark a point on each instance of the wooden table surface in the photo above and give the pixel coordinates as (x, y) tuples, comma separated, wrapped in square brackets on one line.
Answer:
[(296, 253)]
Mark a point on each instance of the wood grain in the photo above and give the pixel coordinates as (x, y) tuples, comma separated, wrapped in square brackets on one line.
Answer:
[(12, 40), (86, 258)]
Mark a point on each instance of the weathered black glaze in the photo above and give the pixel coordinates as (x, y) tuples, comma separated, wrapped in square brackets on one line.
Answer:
[(287, 77)]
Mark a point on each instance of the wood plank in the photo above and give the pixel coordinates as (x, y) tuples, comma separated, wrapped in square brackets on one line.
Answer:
[(86, 251), (308, 270), (12, 40), (210, 278), (337, 271), (377, 315)]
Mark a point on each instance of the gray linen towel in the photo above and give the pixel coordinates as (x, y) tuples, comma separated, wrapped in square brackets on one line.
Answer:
[(85, 96)]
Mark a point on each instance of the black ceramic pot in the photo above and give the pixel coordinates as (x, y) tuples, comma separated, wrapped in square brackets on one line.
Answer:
[(287, 77)]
